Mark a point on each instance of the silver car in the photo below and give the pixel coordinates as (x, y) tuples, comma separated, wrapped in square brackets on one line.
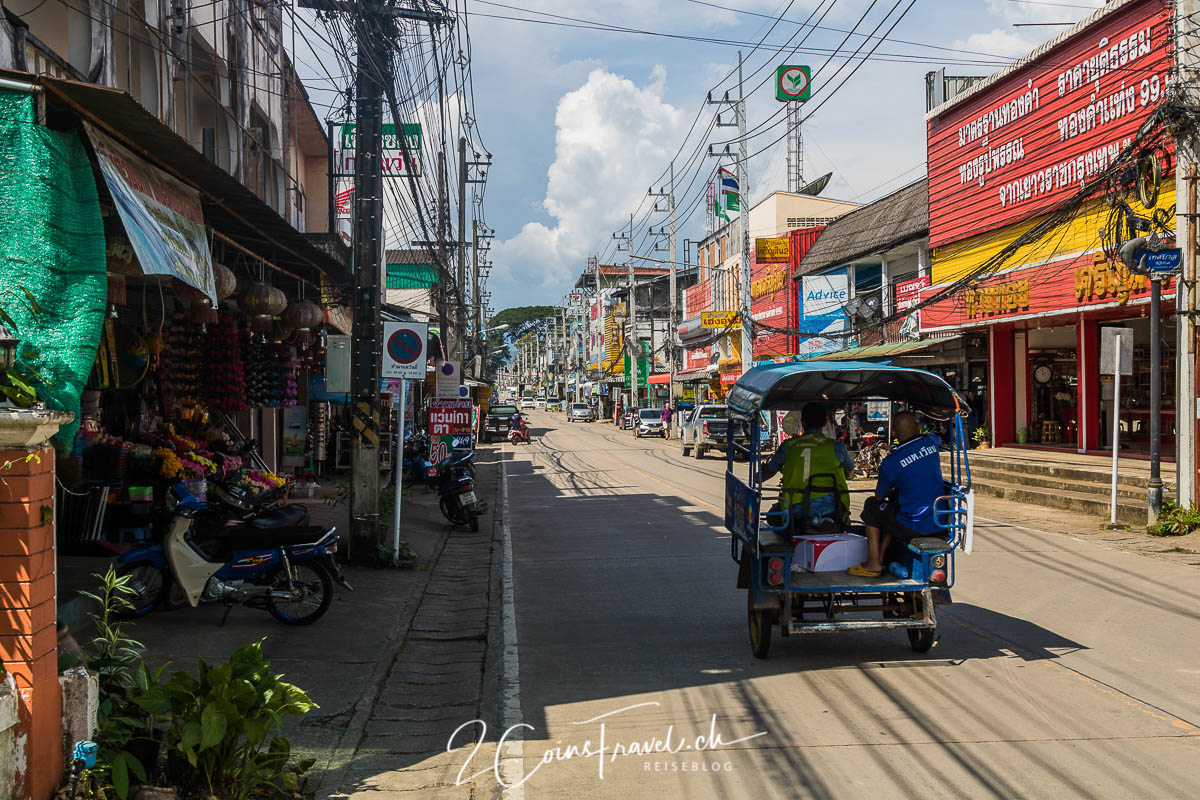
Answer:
[(580, 412), (649, 423)]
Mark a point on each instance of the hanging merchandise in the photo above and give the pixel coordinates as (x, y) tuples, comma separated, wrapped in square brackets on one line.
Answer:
[(303, 317), (285, 360), (200, 306), (183, 356), (224, 378), (262, 375), (224, 280)]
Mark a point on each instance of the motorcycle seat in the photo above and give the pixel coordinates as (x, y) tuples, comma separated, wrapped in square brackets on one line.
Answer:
[(248, 538), (282, 517)]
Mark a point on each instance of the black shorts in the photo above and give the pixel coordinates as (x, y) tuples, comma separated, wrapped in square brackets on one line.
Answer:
[(882, 514)]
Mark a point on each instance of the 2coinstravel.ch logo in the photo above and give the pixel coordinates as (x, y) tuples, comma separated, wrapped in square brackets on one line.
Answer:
[(605, 749)]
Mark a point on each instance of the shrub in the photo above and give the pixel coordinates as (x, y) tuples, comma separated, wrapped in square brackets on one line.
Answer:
[(1174, 520)]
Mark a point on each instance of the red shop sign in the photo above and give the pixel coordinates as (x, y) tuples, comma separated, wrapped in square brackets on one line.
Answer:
[(1034, 137), (1087, 281), (449, 417)]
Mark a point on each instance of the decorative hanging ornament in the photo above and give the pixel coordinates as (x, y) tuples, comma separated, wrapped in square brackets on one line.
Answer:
[(200, 307), (263, 303), (225, 281), (303, 316)]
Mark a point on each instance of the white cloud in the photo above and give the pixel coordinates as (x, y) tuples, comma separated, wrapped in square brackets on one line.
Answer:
[(613, 138), (1014, 42)]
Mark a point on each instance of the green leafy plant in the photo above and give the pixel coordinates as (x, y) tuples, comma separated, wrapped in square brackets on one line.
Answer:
[(385, 557), (1173, 520), (132, 701), (222, 725), (980, 435)]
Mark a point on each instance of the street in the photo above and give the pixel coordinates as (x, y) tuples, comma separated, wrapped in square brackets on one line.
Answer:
[(1065, 666)]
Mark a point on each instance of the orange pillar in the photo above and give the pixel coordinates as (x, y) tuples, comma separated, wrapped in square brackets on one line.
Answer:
[(28, 641)]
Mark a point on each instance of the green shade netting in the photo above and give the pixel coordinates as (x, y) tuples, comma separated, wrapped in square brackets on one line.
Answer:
[(52, 244)]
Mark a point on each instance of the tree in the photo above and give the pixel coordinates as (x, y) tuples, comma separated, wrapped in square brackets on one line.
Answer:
[(522, 320)]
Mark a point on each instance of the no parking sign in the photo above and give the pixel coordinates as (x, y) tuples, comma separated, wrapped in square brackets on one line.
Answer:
[(404, 349)]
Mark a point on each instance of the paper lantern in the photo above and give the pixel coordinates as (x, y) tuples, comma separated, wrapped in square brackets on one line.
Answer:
[(263, 303), (303, 315), (225, 281)]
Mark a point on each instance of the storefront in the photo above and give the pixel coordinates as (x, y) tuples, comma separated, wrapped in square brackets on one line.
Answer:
[(1036, 176)]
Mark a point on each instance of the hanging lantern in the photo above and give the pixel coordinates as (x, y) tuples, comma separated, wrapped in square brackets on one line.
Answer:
[(225, 281), (303, 316), (263, 303), (200, 306), (280, 330)]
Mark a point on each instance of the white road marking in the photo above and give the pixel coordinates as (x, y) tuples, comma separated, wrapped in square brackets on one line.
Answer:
[(513, 764)]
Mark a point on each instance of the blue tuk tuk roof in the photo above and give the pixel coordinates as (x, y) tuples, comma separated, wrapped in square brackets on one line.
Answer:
[(790, 386)]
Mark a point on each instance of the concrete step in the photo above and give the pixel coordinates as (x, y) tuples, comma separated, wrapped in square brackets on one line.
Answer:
[(1124, 490), (1077, 473), (1128, 510)]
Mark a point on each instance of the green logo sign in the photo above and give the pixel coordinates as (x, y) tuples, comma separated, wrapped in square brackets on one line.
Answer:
[(793, 82)]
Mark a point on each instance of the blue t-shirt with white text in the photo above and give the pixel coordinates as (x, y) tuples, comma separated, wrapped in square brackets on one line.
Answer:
[(914, 470)]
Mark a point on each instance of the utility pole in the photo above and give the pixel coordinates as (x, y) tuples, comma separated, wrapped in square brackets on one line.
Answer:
[(373, 69), (744, 225), (739, 107), (460, 311), (795, 148), (443, 273), (672, 322), (1187, 152)]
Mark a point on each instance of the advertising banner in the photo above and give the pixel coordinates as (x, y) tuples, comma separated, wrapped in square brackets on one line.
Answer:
[(770, 304), (448, 418), (1034, 137), (1086, 281), (822, 311), (295, 435), (773, 251), (162, 216), (394, 163), (717, 320), (907, 293)]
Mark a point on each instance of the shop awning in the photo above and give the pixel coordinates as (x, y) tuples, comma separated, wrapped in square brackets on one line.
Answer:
[(701, 374), (229, 206), (659, 378), (879, 350)]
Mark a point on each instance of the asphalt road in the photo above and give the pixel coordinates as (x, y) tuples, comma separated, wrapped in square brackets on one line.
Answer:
[(1065, 667)]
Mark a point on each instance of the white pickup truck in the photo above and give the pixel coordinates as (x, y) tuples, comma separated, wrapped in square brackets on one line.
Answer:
[(706, 427)]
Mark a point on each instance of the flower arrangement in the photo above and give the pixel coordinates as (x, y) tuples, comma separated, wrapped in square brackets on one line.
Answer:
[(206, 465), (169, 465)]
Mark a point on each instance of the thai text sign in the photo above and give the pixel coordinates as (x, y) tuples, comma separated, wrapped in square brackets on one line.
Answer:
[(717, 319), (449, 417), (1086, 281), (773, 251), (1038, 134), (395, 162), (161, 215)]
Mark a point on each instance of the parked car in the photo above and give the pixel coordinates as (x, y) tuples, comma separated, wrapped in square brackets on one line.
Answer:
[(650, 423), (554, 404), (541, 402), (580, 412), (706, 427), (498, 421), (528, 402)]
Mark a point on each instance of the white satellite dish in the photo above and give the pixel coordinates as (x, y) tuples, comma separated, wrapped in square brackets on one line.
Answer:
[(870, 305)]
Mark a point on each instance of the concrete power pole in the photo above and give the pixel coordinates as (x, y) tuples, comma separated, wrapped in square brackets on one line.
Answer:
[(744, 225), (672, 319), (1187, 152), (635, 347), (372, 71), (460, 311)]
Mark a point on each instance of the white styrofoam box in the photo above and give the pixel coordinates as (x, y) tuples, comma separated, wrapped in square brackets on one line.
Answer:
[(829, 552)]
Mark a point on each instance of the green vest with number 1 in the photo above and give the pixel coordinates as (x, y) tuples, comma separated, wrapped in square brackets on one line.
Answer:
[(808, 455)]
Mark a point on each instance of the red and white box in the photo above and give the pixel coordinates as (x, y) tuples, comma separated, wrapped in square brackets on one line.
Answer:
[(829, 552)]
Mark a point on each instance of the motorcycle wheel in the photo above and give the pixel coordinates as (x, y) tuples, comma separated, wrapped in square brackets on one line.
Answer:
[(455, 514), (317, 591), (407, 478), (148, 584), (474, 521)]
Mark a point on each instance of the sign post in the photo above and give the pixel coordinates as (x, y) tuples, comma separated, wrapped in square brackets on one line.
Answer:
[(1116, 357), (793, 82), (404, 357)]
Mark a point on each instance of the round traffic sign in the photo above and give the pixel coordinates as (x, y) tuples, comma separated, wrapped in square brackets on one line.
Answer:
[(404, 346), (793, 82), (447, 368)]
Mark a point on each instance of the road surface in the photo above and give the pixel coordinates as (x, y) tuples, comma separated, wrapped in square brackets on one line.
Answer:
[(1064, 668)]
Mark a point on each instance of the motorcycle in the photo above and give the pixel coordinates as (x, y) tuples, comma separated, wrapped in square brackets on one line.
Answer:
[(519, 433), (416, 466), (285, 570), (456, 491)]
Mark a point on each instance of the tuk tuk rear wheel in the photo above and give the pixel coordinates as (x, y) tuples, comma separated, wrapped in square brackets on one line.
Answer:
[(921, 639), (760, 627)]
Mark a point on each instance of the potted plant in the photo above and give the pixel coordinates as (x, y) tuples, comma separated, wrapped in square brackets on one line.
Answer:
[(1022, 435), (980, 436)]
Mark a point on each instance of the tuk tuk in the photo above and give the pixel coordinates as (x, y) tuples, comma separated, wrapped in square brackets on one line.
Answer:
[(766, 533)]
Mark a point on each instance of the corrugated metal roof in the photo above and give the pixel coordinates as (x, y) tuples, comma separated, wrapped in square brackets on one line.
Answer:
[(899, 217), (411, 276), (878, 350)]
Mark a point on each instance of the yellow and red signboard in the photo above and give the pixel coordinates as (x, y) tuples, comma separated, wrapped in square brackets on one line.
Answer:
[(718, 320), (773, 251)]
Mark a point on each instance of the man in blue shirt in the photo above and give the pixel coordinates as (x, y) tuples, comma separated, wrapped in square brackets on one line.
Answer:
[(910, 481)]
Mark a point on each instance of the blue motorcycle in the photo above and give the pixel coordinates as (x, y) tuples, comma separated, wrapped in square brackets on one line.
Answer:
[(263, 563)]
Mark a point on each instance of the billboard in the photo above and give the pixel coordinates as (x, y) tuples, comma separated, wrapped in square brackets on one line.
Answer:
[(773, 251), (771, 305), (1034, 136), (395, 165), (822, 311)]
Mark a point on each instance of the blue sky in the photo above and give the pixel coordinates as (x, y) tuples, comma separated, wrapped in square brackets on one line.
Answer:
[(579, 122)]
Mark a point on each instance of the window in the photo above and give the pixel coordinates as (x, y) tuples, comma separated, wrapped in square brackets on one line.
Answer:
[(808, 222), (723, 238)]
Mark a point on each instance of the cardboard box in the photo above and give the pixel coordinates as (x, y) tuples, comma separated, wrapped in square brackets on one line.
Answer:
[(829, 552)]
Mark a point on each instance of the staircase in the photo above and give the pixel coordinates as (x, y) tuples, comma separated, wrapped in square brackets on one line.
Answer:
[(1064, 480)]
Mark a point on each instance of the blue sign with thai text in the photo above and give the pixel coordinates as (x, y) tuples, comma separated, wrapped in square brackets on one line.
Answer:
[(1162, 260)]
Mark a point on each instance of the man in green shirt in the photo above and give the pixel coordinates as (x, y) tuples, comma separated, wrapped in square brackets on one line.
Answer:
[(808, 454)]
